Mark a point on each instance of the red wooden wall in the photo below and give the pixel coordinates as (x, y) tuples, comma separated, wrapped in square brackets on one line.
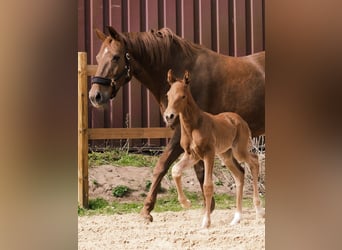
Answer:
[(231, 27)]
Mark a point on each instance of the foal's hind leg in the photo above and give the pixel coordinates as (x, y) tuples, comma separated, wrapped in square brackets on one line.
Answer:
[(177, 170), (241, 153), (238, 175)]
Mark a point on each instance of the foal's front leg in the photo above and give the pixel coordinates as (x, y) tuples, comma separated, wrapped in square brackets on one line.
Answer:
[(186, 161), (208, 187), (199, 170)]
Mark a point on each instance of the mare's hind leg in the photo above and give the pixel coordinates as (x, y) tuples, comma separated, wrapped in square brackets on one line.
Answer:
[(199, 169), (238, 175), (177, 170)]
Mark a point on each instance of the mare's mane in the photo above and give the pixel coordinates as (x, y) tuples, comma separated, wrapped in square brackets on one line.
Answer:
[(156, 47)]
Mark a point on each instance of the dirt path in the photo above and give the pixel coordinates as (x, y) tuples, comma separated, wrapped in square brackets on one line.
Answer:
[(171, 230)]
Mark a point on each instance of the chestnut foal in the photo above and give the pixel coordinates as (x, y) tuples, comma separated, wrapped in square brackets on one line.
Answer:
[(203, 136)]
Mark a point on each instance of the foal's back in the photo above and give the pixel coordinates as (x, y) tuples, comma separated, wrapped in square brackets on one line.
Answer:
[(228, 130)]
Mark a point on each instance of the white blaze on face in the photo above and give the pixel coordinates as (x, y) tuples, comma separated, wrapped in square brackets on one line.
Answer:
[(101, 56), (105, 51)]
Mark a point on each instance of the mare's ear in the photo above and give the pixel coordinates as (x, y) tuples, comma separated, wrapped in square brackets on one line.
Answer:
[(186, 77), (102, 36), (170, 78), (114, 34)]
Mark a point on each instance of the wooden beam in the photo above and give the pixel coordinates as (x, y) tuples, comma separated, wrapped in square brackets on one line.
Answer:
[(129, 133), (83, 189), (91, 70)]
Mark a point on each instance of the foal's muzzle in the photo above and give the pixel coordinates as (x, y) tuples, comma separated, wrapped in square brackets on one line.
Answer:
[(169, 118)]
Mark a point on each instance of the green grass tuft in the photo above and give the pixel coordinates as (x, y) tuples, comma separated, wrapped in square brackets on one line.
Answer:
[(168, 202), (118, 157), (98, 203)]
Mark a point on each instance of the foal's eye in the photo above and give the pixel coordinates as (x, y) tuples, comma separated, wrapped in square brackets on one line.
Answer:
[(116, 58), (183, 97)]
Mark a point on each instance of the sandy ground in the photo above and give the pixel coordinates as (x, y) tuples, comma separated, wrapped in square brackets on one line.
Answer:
[(171, 230)]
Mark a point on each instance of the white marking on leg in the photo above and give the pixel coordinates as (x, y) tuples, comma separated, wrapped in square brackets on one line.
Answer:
[(236, 219), (177, 171), (205, 221)]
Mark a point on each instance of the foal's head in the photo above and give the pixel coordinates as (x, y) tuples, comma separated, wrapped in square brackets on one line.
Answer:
[(177, 96), (113, 68)]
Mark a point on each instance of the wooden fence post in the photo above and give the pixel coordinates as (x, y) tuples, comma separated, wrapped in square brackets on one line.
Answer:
[(82, 131)]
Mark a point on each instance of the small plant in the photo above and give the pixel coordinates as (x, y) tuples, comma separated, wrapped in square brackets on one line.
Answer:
[(120, 191), (95, 183), (148, 185)]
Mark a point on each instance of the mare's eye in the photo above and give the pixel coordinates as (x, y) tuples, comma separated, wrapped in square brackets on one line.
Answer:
[(183, 97), (116, 58)]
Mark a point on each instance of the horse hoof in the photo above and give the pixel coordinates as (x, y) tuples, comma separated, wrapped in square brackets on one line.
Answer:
[(147, 217), (186, 204), (260, 212)]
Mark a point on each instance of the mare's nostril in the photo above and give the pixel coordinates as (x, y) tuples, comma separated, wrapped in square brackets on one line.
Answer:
[(98, 97), (171, 116)]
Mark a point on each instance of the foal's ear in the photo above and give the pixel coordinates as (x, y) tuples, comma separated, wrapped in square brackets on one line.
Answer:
[(114, 34), (102, 36), (170, 78), (186, 77)]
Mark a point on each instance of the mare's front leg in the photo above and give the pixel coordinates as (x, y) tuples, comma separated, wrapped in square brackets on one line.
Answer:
[(177, 170), (170, 154), (208, 186)]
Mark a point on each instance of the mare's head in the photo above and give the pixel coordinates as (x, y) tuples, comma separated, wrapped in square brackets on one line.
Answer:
[(177, 96), (113, 68)]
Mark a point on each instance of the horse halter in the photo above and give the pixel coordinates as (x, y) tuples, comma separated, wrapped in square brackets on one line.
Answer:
[(112, 81)]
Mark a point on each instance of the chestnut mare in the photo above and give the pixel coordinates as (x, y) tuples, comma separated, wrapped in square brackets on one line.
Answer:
[(203, 136), (220, 83)]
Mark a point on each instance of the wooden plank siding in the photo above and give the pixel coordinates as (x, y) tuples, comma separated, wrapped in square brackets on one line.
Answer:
[(230, 27)]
